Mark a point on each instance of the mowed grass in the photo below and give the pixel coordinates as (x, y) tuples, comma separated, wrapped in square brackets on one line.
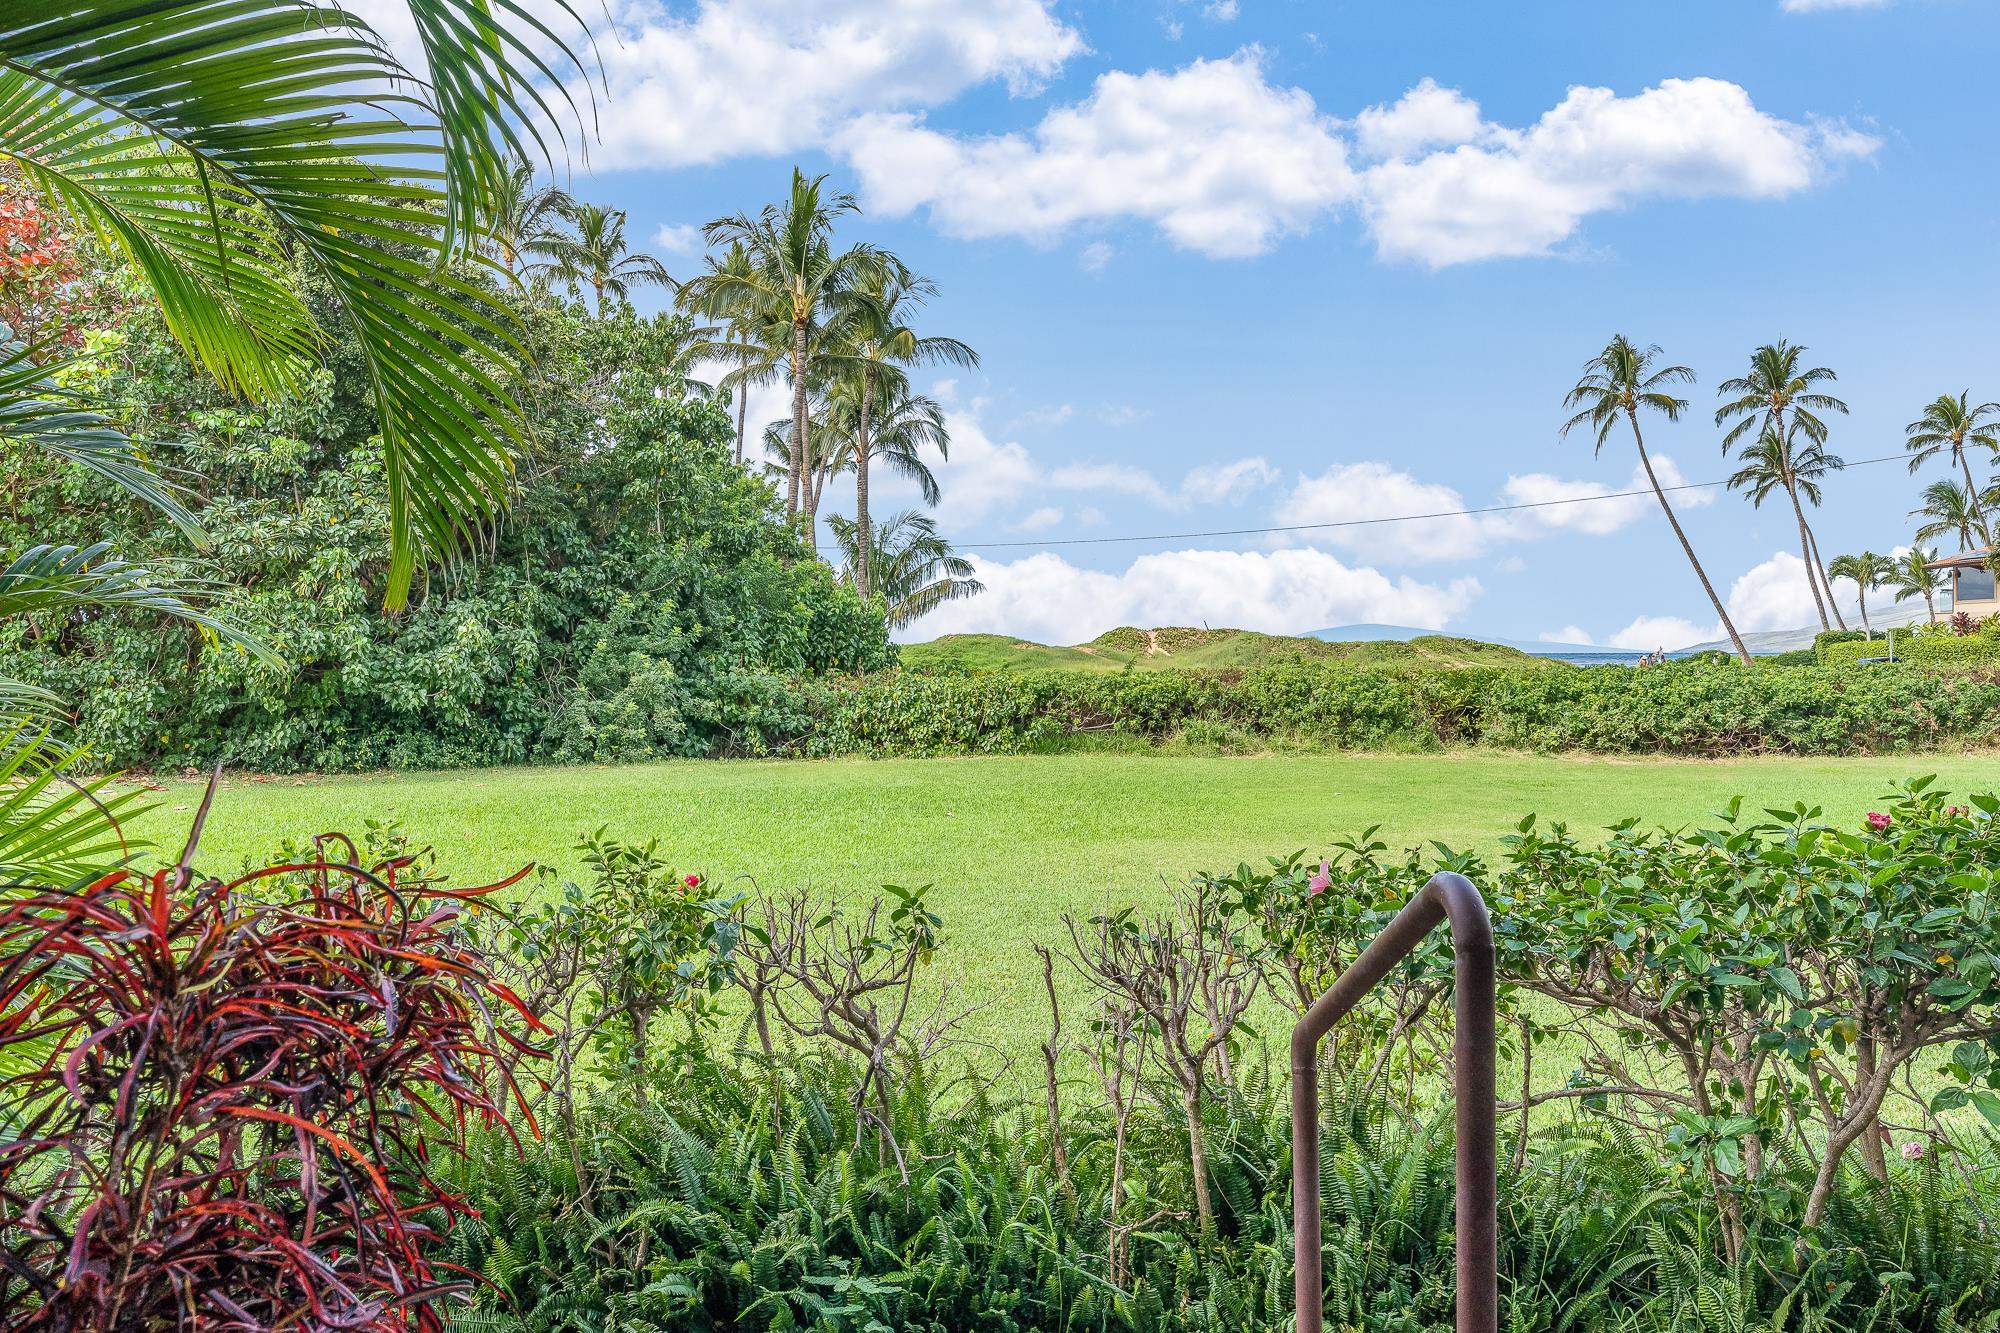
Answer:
[(1010, 843)]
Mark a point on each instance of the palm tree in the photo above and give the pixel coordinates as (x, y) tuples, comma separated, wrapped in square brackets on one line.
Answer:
[(1953, 423), (208, 141), (916, 570), (1950, 511), (527, 219), (599, 256), (755, 341), (797, 277), (1912, 576), (1775, 385), (1616, 383), (902, 428), (1772, 465), (884, 345), (1868, 570)]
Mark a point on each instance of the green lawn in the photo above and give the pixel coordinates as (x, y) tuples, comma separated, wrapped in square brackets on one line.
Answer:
[(1010, 843)]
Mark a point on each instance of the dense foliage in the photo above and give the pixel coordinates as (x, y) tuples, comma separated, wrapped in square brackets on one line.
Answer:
[(1704, 1025), (222, 1096), (1701, 708), (642, 597)]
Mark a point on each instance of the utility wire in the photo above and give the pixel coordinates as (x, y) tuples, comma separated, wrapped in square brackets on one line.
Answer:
[(1371, 522)]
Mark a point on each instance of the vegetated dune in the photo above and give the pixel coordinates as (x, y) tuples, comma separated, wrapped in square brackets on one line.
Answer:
[(1186, 649)]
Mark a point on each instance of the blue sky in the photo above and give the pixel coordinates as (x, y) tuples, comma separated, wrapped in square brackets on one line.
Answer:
[(1239, 263)]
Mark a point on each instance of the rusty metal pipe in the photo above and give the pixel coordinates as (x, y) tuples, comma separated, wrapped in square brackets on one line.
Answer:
[(1452, 898)]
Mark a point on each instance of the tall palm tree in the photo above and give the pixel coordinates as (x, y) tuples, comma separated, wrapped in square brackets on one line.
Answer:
[(902, 428), (755, 340), (1912, 576), (916, 570), (1949, 510), (527, 219), (885, 345), (207, 141), (1777, 383), (795, 275), (1950, 423), (1772, 465), (1616, 383), (1868, 571), (597, 255)]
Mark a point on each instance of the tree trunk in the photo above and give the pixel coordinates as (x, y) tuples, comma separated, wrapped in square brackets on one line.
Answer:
[(1930, 605), (1972, 494), (742, 408), (1686, 546), (1819, 563), (1805, 552), (1204, 1206), (795, 472), (862, 533), (1861, 592)]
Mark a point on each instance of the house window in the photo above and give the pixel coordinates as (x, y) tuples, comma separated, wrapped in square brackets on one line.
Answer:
[(1974, 585)]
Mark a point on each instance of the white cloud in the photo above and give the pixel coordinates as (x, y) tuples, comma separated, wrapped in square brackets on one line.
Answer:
[(1222, 483), (1818, 6), (1350, 492), (1094, 256), (1567, 634), (678, 239), (1044, 417), (1046, 598), (1427, 116), (756, 77), (1501, 192), (1212, 153), (1120, 415), (1045, 517), (1647, 633), (1221, 11)]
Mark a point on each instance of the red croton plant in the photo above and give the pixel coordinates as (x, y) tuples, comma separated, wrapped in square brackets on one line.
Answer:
[(225, 1094)]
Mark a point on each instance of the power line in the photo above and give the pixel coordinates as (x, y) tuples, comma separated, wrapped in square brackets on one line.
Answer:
[(1372, 522)]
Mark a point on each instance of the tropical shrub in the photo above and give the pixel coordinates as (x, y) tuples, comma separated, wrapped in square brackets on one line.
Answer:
[(224, 1096), (644, 596)]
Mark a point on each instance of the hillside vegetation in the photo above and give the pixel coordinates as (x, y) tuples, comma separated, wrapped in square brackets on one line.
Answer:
[(1186, 649)]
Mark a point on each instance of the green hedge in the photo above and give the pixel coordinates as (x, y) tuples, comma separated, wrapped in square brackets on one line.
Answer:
[(1680, 708), (1925, 650)]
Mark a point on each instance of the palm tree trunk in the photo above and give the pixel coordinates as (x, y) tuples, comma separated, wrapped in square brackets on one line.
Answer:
[(796, 470), (1930, 605), (1805, 551), (861, 452), (742, 407), (1861, 592), (1972, 494), (1646, 462), (1819, 563)]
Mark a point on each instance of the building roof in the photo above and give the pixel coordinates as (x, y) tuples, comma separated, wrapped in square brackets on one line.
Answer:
[(1978, 559)]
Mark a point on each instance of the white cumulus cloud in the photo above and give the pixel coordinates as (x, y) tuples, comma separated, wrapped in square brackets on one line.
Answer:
[(1221, 160), (1045, 598)]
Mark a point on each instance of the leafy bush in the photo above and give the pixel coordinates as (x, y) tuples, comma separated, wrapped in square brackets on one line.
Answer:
[(1678, 708), (1918, 650), (643, 597), (223, 1096)]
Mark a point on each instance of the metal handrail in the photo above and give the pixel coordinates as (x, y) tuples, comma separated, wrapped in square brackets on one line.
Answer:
[(1452, 898)]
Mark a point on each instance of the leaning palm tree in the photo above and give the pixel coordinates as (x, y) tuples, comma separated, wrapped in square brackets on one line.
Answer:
[(1952, 424), (1772, 465), (884, 346), (1868, 571), (795, 275), (1912, 576), (1616, 383), (1948, 510), (208, 142), (1777, 384), (595, 254), (916, 570)]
